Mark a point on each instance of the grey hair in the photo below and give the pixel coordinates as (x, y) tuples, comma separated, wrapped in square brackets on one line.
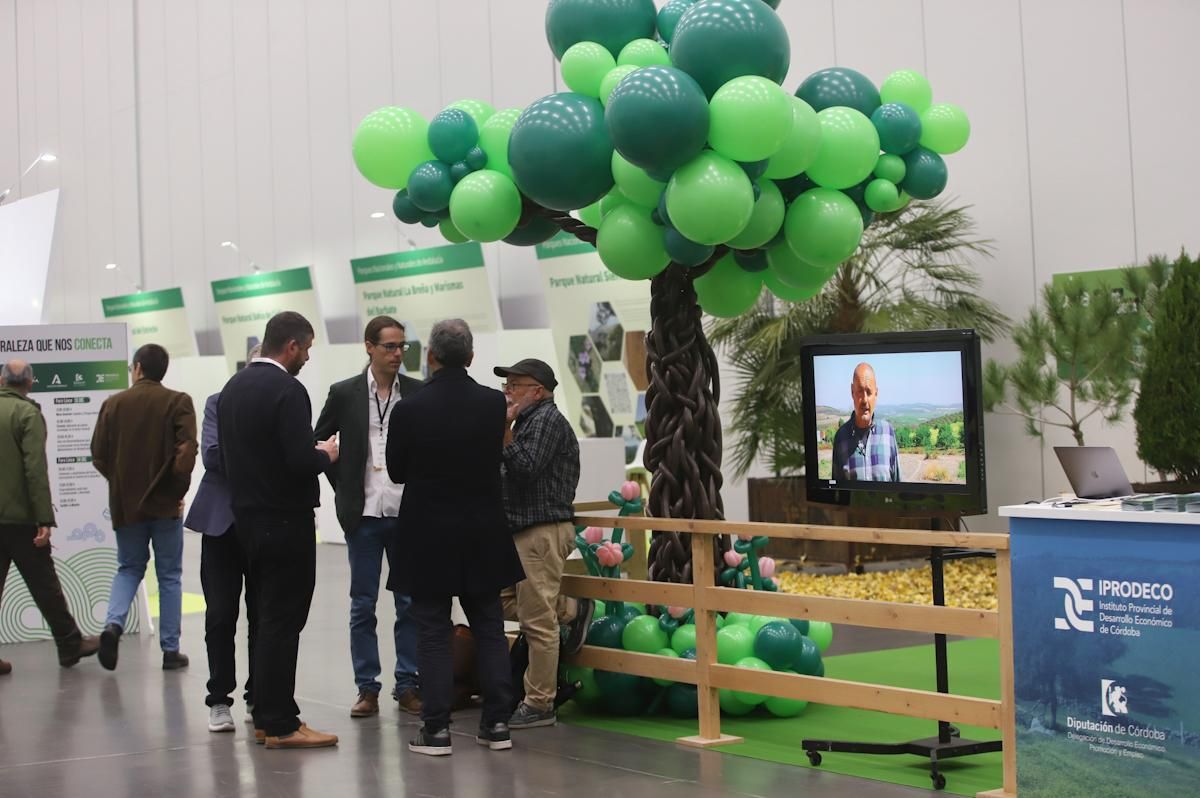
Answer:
[(255, 351), (16, 379), (451, 343)]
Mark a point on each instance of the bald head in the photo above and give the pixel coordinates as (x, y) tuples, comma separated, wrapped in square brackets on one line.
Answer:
[(865, 393), (17, 374)]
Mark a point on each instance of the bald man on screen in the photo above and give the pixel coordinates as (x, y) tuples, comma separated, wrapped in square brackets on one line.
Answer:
[(864, 448)]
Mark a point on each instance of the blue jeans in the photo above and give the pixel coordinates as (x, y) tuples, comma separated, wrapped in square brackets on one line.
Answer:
[(366, 547), (133, 552)]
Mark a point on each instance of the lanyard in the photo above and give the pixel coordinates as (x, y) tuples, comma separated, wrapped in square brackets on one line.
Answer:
[(382, 411)]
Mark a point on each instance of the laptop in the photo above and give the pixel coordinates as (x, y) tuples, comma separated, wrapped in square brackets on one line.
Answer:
[(1094, 471)]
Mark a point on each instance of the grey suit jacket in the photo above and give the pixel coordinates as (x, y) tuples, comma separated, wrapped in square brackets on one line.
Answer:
[(212, 509)]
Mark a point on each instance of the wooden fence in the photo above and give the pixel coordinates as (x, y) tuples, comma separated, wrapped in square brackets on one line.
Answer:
[(706, 599)]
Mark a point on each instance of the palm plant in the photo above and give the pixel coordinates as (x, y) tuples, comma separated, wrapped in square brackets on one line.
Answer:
[(912, 271)]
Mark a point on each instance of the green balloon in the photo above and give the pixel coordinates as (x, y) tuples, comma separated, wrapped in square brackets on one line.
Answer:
[(751, 118), (538, 230), (643, 53), (821, 633), (668, 17), (753, 699), (684, 638), (429, 186), (601, 609), (823, 227), (808, 658), (480, 111), (584, 65), (610, 81), (728, 290), (882, 196), (734, 643), (631, 245), (709, 199), (591, 216), (944, 128), (643, 635), (686, 253), (848, 151), (560, 152), (611, 23), (716, 41), (801, 625), (388, 144), (788, 268), (759, 621), (635, 184), (611, 201), (800, 147), (683, 700), (738, 618), (908, 87), (890, 167), (732, 705), (623, 693), (765, 221), (666, 652), (606, 631), (450, 232), (589, 691), (925, 174), (493, 139), (785, 707), (784, 291), (452, 134), (485, 206), (658, 118), (404, 209), (899, 127), (839, 86)]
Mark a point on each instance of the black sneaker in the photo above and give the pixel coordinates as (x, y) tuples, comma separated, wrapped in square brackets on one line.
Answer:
[(526, 717), (495, 737), (435, 744), (576, 631), (174, 660), (109, 640)]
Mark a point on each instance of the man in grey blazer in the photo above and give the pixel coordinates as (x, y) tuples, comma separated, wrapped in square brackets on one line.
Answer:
[(358, 409)]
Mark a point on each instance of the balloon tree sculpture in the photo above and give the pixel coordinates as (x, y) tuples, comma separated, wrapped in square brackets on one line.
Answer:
[(679, 156)]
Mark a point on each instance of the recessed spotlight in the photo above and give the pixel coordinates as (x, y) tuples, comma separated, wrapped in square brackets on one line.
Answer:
[(378, 215), (49, 156), (110, 266)]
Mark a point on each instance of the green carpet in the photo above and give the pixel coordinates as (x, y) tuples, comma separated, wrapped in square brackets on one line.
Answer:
[(974, 671)]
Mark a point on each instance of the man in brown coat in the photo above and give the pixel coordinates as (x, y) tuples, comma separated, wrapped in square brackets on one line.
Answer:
[(145, 446)]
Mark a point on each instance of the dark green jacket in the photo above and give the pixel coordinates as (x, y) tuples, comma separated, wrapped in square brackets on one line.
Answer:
[(24, 479)]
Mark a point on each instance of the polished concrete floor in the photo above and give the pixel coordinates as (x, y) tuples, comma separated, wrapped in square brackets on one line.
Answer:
[(88, 733)]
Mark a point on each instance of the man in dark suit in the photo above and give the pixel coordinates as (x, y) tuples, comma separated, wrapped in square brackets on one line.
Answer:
[(444, 447), (223, 570), (144, 444), (358, 410), (265, 434)]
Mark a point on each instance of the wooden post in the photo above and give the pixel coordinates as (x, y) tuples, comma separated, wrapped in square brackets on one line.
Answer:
[(704, 575), (1008, 704)]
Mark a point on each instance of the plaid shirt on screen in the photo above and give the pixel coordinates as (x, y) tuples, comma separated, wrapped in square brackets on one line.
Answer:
[(540, 468), (868, 455)]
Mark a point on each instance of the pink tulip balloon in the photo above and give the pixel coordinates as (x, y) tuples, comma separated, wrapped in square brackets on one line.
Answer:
[(733, 559), (593, 534), (766, 567), (610, 554), (630, 491), (677, 612)]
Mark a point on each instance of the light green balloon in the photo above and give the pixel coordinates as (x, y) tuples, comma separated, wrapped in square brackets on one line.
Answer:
[(788, 293), (749, 119), (769, 211), (727, 290), (753, 699), (451, 233), (890, 167), (785, 707), (821, 633), (908, 87), (634, 183), (665, 652), (476, 109), (945, 128), (882, 196), (823, 227), (709, 199), (848, 150), (389, 144), (584, 66), (614, 76), (787, 268), (611, 201), (643, 53), (493, 139), (485, 205), (800, 147), (591, 216), (630, 244)]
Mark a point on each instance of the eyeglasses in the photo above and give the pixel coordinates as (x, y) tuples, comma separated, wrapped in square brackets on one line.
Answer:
[(403, 346), (509, 387)]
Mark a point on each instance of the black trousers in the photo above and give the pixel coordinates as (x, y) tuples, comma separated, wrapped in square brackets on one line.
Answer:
[(223, 571), (37, 569), (435, 634), (281, 550)]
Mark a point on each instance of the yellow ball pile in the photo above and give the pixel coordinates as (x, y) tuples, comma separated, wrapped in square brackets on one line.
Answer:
[(969, 583)]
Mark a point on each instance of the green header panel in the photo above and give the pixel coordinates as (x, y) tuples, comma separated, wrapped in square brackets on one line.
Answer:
[(416, 262), (262, 284), (144, 302)]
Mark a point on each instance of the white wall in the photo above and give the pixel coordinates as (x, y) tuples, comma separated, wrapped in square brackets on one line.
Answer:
[(182, 123)]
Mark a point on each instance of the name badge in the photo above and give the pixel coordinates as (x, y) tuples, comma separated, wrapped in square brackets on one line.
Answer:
[(379, 453)]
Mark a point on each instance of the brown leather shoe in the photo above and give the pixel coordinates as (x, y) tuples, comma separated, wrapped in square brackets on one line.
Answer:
[(260, 737), (409, 701), (366, 705), (5, 667), (303, 737), (71, 651)]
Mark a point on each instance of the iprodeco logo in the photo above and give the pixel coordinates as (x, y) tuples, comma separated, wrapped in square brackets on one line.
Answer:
[(1113, 699), (1075, 606)]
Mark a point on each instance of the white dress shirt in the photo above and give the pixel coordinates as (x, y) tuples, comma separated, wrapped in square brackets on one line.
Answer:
[(382, 498), (275, 363)]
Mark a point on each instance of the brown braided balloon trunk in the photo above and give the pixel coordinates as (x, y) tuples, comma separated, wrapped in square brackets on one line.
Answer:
[(683, 427)]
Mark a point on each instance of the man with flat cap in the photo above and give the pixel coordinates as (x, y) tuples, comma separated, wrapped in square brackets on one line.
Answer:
[(540, 466)]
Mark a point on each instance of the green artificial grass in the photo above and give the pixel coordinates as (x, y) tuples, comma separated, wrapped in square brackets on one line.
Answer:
[(974, 671)]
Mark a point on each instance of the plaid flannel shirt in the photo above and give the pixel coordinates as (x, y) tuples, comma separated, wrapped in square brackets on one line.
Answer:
[(869, 455), (540, 468)]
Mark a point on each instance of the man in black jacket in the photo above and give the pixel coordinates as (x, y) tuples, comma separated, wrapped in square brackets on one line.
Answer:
[(367, 502), (266, 441), (444, 447)]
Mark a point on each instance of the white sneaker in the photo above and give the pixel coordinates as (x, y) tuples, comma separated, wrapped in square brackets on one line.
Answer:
[(220, 719)]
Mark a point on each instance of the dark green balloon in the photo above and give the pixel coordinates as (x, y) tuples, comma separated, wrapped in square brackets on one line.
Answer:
[(429, 186), (754, 260), (657, 118), (538, 230), (452, 134), (404, 209), (719, 40), (459, 170), (623, 693), (801, 625), (606, 631), (668, 18), (560, 152), (809, 660), (755, 169), (476, 158), (779, 644), (683, 700), (611, 23), (793, 187), (899, 127), (628, 613), (924, 174), (839, 86), (684, 251)]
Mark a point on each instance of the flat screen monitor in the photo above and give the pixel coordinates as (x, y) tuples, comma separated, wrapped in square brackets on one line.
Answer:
[(894, 420)]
